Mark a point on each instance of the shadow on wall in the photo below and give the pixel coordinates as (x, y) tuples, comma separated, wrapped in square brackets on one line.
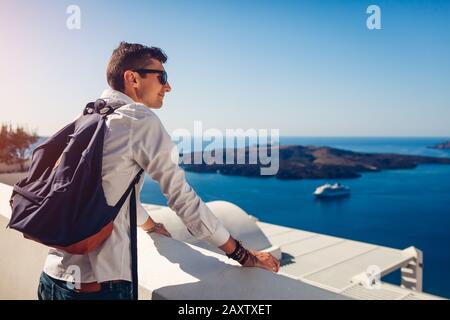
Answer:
[(218, 280)]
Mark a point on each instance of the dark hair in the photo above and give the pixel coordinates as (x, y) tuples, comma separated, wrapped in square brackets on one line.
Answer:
[(129, 56)]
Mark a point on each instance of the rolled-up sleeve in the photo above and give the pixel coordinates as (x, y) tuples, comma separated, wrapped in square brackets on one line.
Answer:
[(153, 149)]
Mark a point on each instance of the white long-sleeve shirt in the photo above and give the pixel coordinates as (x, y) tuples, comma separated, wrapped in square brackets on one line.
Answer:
[(135, 138)]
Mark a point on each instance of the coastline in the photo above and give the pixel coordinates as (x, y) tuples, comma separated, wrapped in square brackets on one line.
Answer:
[(307, 162)]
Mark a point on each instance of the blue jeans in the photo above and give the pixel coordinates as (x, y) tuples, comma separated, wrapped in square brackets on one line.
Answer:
[(53, 289)]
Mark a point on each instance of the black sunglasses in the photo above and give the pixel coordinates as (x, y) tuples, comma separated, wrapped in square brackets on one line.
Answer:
[(162, 74)]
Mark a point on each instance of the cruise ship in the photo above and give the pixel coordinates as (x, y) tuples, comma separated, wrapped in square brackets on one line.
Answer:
[(332, 190)]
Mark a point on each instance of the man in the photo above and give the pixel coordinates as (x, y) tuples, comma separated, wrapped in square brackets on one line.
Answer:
[(135, 138)]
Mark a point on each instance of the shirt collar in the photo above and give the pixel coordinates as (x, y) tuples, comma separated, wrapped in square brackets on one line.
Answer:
[(116, 98)]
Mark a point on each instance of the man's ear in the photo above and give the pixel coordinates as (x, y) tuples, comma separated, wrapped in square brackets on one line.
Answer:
[(130, 78)]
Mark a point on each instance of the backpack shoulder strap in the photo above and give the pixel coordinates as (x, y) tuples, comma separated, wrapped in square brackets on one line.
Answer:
[(133, 236)]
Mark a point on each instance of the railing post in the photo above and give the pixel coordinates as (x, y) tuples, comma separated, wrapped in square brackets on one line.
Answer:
[(412, 273)]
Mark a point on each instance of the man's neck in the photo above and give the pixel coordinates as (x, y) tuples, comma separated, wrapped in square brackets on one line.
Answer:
[(132, 95)]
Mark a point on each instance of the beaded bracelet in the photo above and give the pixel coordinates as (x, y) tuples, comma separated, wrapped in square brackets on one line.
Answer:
[(240, 254)]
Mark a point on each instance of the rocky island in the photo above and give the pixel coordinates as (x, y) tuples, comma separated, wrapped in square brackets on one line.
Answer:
[(444, 145), (311, 162)]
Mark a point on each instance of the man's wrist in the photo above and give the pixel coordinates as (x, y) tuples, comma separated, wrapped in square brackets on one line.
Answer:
[(148, 225), (240, 254), (229, 246)]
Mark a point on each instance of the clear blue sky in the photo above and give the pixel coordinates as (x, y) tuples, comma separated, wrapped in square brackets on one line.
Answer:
[(309, 68)]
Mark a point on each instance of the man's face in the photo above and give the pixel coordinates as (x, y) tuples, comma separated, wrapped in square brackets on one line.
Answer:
[(150, 91)]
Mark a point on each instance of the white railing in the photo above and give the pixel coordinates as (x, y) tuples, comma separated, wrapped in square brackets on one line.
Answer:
[(168, 269)]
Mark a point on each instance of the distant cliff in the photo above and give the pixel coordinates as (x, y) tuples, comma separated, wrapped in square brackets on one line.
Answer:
[(310, 162), (444, 145)]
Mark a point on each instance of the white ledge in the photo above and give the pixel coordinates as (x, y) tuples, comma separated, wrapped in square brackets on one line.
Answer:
[(168, 269)]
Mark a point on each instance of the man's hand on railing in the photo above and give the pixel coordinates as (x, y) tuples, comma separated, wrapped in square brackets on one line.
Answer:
[(152, 226), (250, 258), (262, 260), (160, 229)]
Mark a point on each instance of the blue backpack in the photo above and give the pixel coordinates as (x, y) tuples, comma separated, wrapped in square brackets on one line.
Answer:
[(61, 202)]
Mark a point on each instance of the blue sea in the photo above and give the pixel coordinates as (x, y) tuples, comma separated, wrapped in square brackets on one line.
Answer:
[(394, 208)]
